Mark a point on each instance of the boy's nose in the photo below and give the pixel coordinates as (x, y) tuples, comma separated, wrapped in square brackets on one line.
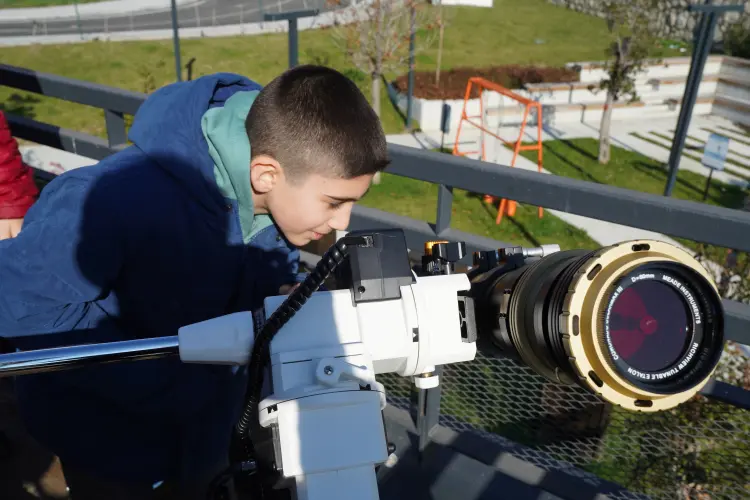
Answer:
[(340, 221)]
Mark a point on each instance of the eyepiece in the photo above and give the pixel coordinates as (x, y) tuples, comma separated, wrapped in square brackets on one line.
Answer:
[(639, 323)]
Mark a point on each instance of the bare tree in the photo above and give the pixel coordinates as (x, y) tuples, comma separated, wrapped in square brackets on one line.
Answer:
[(443, 19), (374, 34), (632, 26)]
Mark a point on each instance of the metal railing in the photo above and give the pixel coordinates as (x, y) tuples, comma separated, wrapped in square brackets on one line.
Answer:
[(563, 430)]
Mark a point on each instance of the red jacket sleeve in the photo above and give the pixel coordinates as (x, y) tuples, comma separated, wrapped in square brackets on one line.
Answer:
[(17, 188)]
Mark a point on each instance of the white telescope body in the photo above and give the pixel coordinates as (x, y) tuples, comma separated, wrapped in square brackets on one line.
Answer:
[(326, 403)]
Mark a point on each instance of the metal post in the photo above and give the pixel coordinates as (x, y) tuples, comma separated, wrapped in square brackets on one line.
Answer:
[(708, 184), (293, 42), (688, 99), (444, 209), (703, 43), (176, 38), (427, 408), (78, 19), (291, 18), (410, 89), (189, 67), (445, 120), (117, 135)]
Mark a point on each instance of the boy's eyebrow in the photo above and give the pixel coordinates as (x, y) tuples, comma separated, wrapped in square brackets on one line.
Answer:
[(337, 198)]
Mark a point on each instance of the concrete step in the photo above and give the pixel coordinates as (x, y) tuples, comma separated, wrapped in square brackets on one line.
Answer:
[(570, 93), (734, 88), (734, 109), (737, 142), (695, 149), (738, 151), (668, 68), (581, 112), (660, 152), (735, 68)]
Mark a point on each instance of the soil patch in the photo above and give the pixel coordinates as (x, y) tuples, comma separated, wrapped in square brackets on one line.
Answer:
[(453, 82)]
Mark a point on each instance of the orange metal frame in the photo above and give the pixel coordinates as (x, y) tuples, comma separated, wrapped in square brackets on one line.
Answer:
[(482, 84)]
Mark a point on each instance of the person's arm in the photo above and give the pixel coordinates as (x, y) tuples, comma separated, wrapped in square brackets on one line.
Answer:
[(67, 255), (17, 188)]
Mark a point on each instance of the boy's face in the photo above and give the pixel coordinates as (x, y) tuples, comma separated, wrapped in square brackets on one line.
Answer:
[(310, 208)]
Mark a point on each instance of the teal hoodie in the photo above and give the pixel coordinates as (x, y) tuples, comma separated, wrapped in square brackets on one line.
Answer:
[(229, 147)]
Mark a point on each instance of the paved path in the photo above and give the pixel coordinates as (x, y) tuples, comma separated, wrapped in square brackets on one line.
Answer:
[(605, 233), (624, 136), (74, 10), (124, 18)]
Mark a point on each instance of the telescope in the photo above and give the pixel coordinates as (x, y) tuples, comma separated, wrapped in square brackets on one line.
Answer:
[(639, 324)]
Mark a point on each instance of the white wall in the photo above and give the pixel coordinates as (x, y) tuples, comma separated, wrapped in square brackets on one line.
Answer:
[(726, 78)]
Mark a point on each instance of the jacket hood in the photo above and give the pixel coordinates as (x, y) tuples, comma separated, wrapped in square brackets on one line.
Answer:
[(167, 128)]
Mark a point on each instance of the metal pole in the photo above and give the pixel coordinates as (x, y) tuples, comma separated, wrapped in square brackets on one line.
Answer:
[(704, 41), (292, 42), (291, 17), (708, 184), (176, 39), (427, 408), (65, 358), (688, 100), (410, 89), (78, 20)]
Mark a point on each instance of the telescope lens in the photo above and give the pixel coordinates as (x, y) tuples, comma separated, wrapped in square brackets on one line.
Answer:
[(639, 323), (649, 326)]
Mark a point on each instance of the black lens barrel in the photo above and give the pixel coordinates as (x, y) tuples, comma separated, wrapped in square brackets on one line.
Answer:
[(521, 310)]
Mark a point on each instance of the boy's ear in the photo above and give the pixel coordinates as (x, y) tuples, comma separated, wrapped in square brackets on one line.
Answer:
[(265, 173)]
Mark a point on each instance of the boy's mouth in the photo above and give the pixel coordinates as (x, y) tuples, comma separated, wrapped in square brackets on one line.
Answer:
[(317, 236)]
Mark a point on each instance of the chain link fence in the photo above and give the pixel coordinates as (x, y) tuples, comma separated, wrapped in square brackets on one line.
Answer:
[(699, 451)]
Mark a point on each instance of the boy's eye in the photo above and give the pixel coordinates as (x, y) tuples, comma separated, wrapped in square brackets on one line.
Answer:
[(335, 204)]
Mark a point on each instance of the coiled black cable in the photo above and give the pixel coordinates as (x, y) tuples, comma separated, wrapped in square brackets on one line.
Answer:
[(333, 257), (260, 352)]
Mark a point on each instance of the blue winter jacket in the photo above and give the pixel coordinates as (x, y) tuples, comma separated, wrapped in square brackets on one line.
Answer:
[(152, 238)]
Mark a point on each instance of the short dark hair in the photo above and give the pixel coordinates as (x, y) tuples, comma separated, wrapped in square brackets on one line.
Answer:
[(315, 119)]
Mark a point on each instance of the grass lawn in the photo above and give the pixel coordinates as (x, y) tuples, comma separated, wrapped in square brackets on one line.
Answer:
[(578, 159), (512, 32)]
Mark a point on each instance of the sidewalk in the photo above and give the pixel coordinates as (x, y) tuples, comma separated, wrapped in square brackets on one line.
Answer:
[(90, 10), (253, 28)]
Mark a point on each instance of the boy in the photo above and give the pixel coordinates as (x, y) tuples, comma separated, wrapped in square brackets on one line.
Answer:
[(197, 219)]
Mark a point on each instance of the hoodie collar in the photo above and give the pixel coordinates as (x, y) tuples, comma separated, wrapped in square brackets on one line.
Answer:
[(229, 147)]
